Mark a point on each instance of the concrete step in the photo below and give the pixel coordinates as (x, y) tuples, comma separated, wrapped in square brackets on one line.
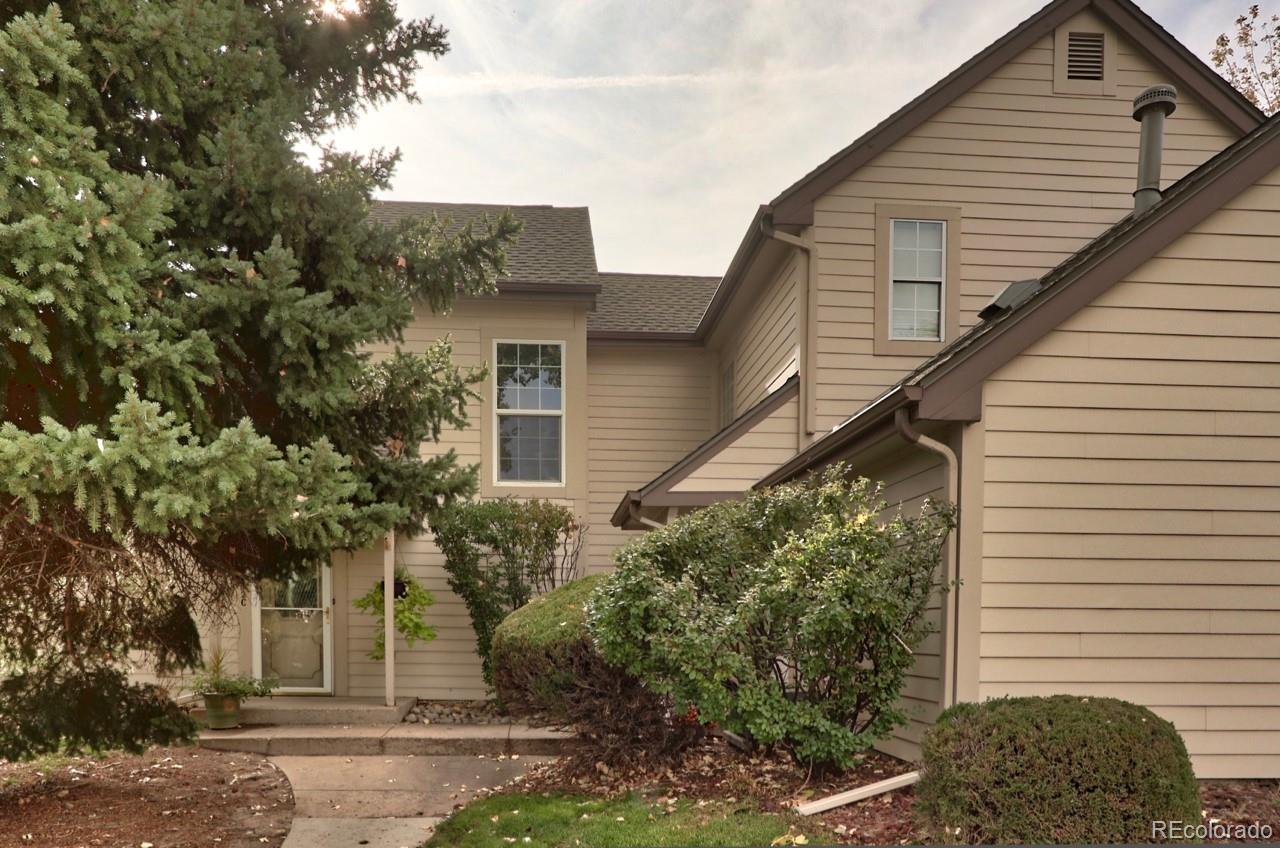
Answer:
[(416, 739), (306, 710)]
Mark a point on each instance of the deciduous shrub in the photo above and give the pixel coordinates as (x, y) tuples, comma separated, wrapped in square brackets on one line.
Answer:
[(545, 662), (788, 616), (1057, 769), (499, 554)]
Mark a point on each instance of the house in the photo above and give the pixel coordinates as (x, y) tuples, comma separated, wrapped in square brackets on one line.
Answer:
[(963, 302)]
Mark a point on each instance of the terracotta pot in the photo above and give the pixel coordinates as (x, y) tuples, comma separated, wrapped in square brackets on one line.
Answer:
[(222, 712)]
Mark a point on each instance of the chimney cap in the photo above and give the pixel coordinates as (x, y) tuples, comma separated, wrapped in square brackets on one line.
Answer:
[(1163, 97)]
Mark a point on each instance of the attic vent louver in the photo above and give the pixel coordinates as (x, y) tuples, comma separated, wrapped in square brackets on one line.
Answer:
[(1084, 55)]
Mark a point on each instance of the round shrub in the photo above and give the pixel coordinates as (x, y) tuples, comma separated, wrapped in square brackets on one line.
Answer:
[(546, 663), (1053, 770)]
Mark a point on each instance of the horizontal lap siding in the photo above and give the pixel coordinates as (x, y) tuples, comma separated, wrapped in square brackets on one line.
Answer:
[(1131, 535), (908, 477), (647, 407), (448, 666), (1035, 175), (763, 343), (737, 466)]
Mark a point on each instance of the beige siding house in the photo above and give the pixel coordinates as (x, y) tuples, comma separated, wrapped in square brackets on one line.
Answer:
[(963, 303)]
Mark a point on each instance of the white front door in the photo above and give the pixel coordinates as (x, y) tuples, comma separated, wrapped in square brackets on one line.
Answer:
[(293, 632)]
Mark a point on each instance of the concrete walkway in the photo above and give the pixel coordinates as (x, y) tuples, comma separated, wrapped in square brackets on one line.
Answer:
[(390, 739), (384, 801)]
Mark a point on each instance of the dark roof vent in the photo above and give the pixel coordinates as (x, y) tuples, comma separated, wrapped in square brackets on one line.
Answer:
[(1009, 299), (1084, 55)]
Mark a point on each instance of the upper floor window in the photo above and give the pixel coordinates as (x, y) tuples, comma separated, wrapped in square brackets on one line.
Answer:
[(917, 278), (529, 411), (918, 258), (726, 396)]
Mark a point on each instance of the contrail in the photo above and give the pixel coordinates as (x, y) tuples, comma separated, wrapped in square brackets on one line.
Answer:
[(463, 85)]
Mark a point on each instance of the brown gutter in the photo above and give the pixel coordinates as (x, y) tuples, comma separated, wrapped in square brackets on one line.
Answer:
[(738, 266), (628, 336)]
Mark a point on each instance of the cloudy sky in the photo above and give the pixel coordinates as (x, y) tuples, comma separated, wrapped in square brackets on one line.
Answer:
[(673, 119)]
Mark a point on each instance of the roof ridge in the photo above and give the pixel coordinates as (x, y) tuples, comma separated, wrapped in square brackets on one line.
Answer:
[(790, 204)]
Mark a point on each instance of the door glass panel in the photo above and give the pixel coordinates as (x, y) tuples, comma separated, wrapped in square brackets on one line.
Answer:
[(293, 631)]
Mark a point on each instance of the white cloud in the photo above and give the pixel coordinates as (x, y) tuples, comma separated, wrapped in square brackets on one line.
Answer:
[(674, 119)]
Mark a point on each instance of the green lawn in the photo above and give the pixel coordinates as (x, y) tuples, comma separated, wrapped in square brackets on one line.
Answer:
[(575, 821)]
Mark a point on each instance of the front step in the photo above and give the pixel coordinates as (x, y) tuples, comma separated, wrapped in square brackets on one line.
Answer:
[(416, 739), (297, 709)]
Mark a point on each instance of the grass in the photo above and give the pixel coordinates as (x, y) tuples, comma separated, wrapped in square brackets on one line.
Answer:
[(573, 821)]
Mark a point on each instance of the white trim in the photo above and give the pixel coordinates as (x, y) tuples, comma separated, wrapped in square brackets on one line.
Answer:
[(562, 413), (941, 280), (326, 610)]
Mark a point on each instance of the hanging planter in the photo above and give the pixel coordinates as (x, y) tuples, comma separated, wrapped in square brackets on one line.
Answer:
[(411, 601)]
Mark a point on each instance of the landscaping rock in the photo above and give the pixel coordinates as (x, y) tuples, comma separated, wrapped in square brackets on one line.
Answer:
[(455, 712)]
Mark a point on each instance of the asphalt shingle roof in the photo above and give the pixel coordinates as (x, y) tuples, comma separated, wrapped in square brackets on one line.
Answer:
[(651, 303), (555, 246)]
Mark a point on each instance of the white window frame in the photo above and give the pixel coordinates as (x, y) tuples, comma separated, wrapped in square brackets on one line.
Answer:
[(941, 280), (562, 413)]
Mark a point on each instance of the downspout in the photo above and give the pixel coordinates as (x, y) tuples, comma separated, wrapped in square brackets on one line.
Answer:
[(902, 422), (806, 319)]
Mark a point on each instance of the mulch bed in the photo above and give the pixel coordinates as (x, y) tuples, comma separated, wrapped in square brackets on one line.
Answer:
[(714, 770), (168, 797)]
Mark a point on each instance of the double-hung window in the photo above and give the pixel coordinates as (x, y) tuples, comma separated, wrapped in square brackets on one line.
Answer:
[(918, 279), (529, 411)]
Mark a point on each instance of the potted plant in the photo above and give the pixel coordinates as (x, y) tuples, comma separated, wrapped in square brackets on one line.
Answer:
[(223, 692)]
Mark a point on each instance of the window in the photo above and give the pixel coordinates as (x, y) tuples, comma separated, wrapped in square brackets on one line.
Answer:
[(529, 407), (726, 395), (917, 278), (915, 299)]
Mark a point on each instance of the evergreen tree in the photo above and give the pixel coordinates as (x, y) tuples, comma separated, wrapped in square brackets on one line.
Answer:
[(185, 404)]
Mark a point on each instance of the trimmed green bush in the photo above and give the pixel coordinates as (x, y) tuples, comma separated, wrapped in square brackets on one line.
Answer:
[(500, 554), (545, 663), (1053, 770), (786, 617), (535, 647)]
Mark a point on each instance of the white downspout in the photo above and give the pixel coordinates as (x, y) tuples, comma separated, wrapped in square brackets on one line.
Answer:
[(902, 422), (389, 614)]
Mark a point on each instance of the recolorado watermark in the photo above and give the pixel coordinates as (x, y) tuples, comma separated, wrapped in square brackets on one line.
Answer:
[(1212, 829)]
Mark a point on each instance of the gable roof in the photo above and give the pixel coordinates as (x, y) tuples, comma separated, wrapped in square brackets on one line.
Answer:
[(641, 305), (651, 494), (555, 249), (944, 386), (794, 206)]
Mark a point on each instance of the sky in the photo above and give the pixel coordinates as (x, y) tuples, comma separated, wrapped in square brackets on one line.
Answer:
[(674, 119)]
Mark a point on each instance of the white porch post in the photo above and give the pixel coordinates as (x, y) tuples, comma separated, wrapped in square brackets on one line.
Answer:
[(389, 614)]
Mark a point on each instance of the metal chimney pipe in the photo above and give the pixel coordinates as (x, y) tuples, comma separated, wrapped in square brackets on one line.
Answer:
[(1150, 108)]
